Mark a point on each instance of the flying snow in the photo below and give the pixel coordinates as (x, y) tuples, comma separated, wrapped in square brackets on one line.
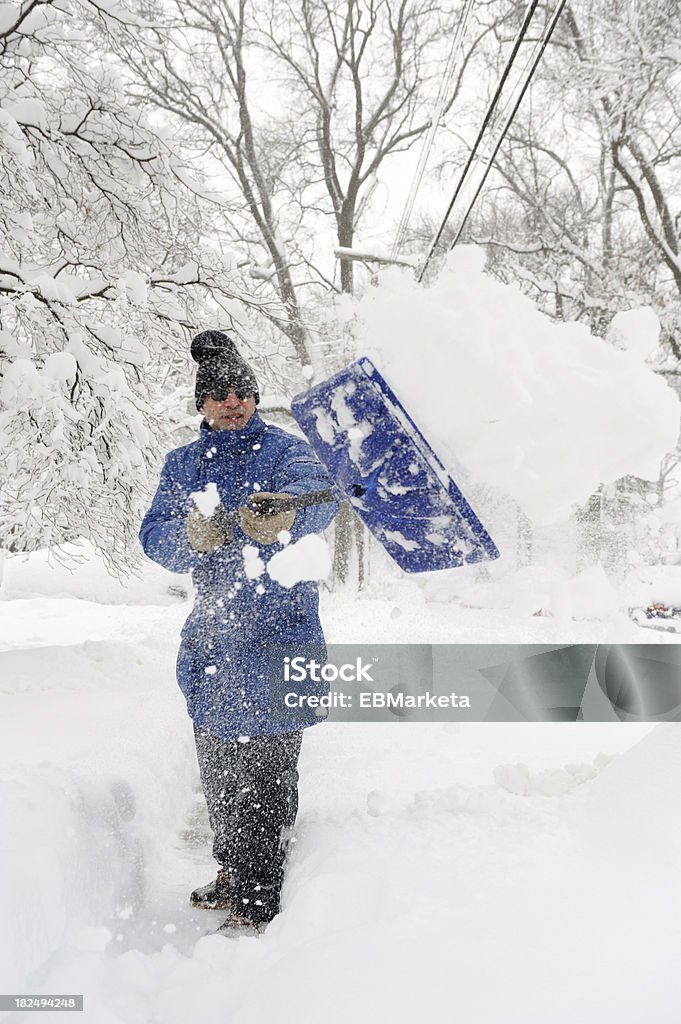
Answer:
[(206, 500), (542, 411), (306, 559)]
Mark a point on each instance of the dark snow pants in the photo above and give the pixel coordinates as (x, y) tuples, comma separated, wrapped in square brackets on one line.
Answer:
[(251, 790)]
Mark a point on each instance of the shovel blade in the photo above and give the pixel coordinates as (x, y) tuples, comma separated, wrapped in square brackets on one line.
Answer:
[(383, 465)]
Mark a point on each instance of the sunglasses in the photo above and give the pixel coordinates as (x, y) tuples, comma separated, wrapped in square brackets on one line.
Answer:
[(220, 393)]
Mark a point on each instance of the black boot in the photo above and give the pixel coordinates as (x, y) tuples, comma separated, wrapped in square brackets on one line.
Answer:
[(215, 895), (236, 925)]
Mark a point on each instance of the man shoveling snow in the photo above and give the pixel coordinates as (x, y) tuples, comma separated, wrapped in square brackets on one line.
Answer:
[(247, 757)]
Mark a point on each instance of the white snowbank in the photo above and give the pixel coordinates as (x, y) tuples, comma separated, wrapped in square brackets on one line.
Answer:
[(636, 331), (96, 763), (417, 885), (427, 858), (628, 831), (540, 410), (84, 576), (652, 583), (588, 595)]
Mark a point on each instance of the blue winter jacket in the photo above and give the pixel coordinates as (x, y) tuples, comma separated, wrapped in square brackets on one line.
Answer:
[(223, 661)]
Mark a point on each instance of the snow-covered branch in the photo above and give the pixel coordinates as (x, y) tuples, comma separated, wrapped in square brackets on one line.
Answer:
[(104, 273)]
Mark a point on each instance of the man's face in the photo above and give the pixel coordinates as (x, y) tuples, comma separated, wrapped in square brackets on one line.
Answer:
[(230, 413)]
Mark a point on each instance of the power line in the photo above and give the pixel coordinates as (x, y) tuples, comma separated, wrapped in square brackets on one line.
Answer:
[(522, 31), (438, 110), (544, 43)]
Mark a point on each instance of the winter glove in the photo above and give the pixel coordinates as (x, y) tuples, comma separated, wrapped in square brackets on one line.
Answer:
[(265, 525), (204, 532)]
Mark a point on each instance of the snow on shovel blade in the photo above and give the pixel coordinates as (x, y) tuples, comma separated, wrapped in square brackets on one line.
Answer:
[(385, 468)]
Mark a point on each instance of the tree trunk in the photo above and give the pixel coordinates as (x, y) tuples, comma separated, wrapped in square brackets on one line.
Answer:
[(349, 549), (524, 538), (342, 543)]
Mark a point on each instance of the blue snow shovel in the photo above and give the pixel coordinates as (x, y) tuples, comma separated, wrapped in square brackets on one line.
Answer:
[(384, 467)]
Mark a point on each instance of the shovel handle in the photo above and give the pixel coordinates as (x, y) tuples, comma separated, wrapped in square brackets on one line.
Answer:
[(272, 506), (228, 520)]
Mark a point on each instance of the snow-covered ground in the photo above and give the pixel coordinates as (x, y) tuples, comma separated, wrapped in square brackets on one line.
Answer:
[(484, 873)]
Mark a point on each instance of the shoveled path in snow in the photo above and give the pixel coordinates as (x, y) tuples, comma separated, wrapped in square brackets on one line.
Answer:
[(410, 895), (420, 884)]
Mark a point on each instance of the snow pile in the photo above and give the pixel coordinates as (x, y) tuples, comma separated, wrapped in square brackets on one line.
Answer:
[(68, 858), (629, 831), (85, 727), (409, 875), (76, 570), (542, 411), (411, 872), (517, 778), (636, 331), (626, 868), (418, 888), (650, 584), (588, 595)]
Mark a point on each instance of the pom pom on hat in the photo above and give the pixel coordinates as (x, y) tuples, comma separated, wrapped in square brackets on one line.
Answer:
[(212, 345)]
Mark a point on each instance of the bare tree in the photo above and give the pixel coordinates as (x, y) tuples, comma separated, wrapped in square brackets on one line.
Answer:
[(299, 106), (360, 73), (295, 108), (583, 206)]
